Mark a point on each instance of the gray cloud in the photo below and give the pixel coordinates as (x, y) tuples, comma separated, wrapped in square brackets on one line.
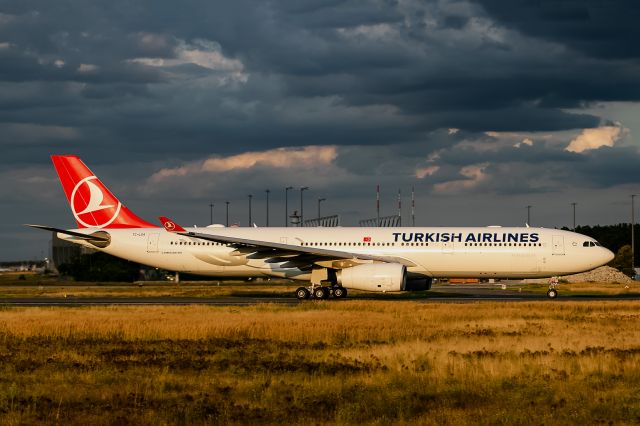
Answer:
[(139, 87), (602, 29)]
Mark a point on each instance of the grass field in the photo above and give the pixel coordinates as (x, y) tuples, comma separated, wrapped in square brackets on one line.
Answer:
[(354, 362)]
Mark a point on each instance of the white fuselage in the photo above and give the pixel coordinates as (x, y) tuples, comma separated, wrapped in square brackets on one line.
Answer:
[(482, 252)]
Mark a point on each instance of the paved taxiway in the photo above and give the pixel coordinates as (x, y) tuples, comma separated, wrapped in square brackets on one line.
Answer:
[(462, 296), (142, 301)]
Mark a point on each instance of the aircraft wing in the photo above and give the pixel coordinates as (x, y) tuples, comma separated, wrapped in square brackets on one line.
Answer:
[(294, 255)]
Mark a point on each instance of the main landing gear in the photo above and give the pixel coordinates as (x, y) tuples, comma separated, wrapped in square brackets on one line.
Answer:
[(552, 293), (321, 292)]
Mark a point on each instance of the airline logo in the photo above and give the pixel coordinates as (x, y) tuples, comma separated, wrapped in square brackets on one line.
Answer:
[(169, 226), (366, 239), (92, 205), (477, 237)]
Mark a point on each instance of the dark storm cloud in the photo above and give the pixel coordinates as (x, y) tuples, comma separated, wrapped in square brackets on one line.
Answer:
[(539, 153), (438, 64), (608, 167), (607, 29), (396, 87), (509, 164)]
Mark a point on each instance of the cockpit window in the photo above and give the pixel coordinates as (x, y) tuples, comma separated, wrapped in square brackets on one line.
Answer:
[(591, 244)]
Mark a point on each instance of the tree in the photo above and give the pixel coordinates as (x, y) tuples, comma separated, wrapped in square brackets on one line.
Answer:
[(622, 261)]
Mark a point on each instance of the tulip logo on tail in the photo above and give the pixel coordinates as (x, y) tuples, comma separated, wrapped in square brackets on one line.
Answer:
[(89, 207)]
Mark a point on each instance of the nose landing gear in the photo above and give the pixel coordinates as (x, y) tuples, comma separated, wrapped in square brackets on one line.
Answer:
[(552, 293)]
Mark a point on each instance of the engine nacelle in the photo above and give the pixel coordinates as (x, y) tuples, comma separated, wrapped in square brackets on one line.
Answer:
[(374, 277)]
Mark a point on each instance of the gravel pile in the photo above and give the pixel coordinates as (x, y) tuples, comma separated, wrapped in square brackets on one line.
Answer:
[(603, 274)]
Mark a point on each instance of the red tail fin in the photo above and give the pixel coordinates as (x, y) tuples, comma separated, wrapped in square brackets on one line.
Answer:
[(92, 204)]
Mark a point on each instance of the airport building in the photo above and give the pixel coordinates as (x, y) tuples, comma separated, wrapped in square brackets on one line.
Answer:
[(63, 251)]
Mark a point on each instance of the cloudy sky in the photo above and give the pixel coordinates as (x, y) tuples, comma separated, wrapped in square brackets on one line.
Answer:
[(483, 106)]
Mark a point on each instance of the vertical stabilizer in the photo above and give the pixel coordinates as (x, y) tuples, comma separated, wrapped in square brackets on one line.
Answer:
[(92, 204)]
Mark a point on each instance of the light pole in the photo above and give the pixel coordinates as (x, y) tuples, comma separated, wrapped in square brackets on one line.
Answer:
[(286, 205), (529, 215), (633, 239), (227, 203), (574, 216), (319, 201), (211, 214), (378, 206), (399, 208), (250, 197), (413, 207), (267, 191), (304, 188)]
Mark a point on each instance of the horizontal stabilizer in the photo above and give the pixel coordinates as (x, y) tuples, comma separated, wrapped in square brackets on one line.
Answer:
[(80, 235)]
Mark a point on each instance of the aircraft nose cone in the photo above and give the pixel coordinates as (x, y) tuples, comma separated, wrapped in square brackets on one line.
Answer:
[(607, 256)]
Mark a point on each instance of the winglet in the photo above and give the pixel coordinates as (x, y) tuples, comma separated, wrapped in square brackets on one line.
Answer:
[(170, 225)]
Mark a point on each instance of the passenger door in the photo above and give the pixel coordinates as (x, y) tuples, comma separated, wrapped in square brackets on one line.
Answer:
[(558, 245), (152, 243)]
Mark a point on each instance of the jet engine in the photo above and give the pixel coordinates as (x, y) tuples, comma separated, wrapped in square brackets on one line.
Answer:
[(374, 277)]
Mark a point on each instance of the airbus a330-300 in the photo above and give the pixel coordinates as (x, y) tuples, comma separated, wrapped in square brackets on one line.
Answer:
[(330, 260)]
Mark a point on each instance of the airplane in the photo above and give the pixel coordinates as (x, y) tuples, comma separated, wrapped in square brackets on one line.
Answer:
[(331, 260)]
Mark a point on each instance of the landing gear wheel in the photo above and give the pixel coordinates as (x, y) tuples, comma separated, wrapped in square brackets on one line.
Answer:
[(339, 292), (552, 293), (321, 293), (302, 293)]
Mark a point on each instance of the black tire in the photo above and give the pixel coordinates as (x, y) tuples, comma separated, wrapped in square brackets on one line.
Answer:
[(321, 293), (552, 293), (339, 292), (302, 293)]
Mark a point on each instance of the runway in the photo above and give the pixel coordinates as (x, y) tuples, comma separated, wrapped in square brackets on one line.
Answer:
[(477, 296), (142, 301)]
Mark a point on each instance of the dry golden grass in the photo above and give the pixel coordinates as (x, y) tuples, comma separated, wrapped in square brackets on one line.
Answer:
[(367, 362)]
